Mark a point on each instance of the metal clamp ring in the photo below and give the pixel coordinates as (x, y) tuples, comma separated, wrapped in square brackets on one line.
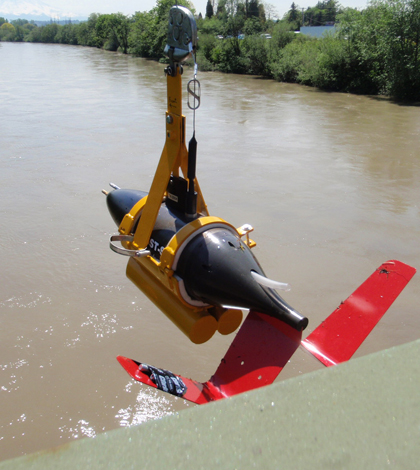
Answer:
[(124, 251)]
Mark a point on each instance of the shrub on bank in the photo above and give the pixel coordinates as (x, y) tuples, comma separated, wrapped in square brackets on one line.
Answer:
[(227, 57), (255, 50)]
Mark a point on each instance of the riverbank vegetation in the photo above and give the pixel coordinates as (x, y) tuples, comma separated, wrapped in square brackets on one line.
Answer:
[(373, 51)]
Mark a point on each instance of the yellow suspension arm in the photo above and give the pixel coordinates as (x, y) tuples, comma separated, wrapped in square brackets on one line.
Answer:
[(174, 156)]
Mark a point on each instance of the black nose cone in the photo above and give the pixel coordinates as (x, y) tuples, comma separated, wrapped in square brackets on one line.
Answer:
[(216, 268), (121, 201)]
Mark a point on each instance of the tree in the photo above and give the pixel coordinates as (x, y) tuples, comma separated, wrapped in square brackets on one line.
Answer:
[(323, 12), (364, 36), (403, 41), (235, 19), (19, 34), (209, 10), (293, 13), (255, 50), (142, 35), (253, 9), (281, 35), (67, 34), (87, 34), (114, 28), (19, 22), (221, 9), (49, 33), (332, 7), (212, 26), (7, 27), (252, 26), (7, 32), (383, 42), (261, 12)]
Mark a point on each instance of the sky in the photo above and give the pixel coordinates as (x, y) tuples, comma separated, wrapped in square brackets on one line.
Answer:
[(128, 7)]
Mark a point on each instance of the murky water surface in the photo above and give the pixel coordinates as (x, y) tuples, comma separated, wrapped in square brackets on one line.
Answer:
[(331, 182)]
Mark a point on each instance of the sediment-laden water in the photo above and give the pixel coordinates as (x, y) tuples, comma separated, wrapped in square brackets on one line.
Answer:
[(331, 183)]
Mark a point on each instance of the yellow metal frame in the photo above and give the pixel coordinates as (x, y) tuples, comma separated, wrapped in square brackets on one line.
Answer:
[(174, 157), (156, 278)]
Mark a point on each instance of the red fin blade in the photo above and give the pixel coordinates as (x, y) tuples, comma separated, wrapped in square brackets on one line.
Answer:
[(188, 389), (255, 358), (257, 355), (337, 338)]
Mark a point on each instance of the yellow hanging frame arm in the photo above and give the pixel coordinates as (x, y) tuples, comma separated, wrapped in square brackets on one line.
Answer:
[(174, 156)]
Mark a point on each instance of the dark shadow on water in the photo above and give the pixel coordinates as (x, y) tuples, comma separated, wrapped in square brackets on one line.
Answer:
[(380, 98), (404, 103)]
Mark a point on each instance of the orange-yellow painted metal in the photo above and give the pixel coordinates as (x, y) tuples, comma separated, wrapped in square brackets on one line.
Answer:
[(174, 156), (185, 233), (228, 320), (244, 232), (130, 219), (155, 278), (197, 324)]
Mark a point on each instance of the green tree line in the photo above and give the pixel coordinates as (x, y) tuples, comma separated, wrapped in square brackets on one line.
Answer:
[(373, 51)]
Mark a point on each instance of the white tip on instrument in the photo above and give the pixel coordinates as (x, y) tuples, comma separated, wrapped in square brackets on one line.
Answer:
[(264, 281)]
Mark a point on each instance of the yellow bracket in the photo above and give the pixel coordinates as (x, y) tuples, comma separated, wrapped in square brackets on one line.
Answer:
[(245, 230), (156, 278), (129, 220), (174, 156), (169, 254)]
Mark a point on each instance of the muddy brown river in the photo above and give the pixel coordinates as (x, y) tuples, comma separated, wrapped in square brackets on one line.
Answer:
[(331, 183)]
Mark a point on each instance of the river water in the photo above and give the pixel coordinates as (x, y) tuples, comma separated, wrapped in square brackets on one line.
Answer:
[(331, 183)]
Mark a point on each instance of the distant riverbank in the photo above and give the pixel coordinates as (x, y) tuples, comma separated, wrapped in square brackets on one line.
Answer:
[(374, 52)]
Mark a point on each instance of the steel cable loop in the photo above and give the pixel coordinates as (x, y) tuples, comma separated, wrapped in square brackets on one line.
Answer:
[(125, 251)]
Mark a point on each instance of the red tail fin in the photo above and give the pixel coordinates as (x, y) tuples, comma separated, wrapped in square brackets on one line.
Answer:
[(164, 380), (255, 358), (337, 338), (264, 344)]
